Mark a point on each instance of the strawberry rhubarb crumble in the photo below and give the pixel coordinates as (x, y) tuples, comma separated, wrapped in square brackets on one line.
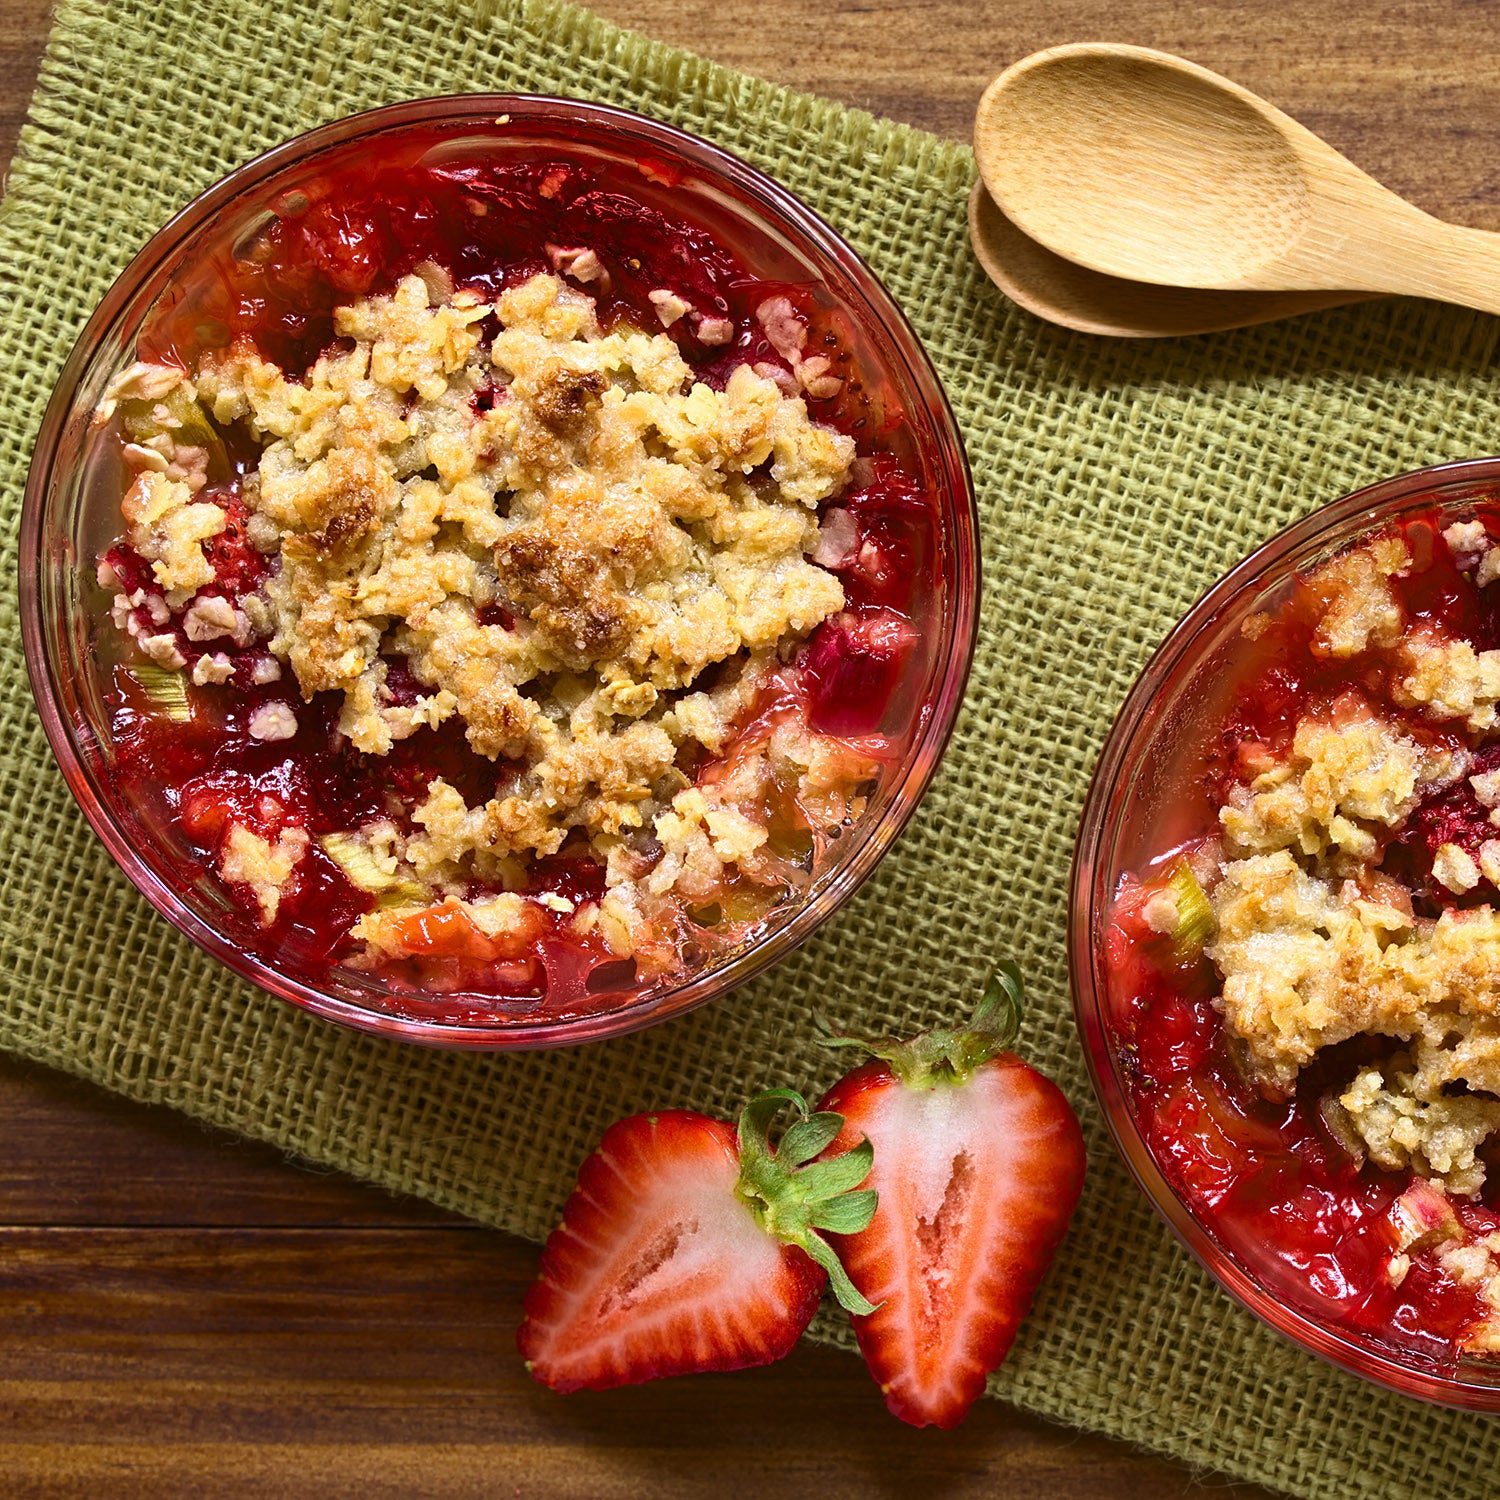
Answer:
[(510, 600), (1305, 984)]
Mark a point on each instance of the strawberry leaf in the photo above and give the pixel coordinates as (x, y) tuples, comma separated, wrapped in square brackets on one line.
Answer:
[(999, 1010), (827, 1179), (756, 1117), (849, 1296), (809, 1138), (949, 1055), (848, 1214), (792, 1196)]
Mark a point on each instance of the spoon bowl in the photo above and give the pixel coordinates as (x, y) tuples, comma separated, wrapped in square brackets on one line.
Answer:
[(1061, 291), (1182, 129), (1146, 167)]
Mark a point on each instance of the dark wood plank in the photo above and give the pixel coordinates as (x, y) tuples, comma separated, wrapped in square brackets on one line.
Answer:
[(23, 35), (76, 1154), (383, 1362), (344, 1341), (1408, 91)]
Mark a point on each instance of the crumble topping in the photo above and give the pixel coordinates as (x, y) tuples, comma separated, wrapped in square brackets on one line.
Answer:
[(166, 527), (1475, 1263), (1361, 610), (1314, 941), (1344, 773), (1160, 912), (1404, 1125), (215, 668), (1474, 550), (1448, 679), (1308, 961), (273, 721), (633, 543), (554, 532), (248, 859), (507, 923)]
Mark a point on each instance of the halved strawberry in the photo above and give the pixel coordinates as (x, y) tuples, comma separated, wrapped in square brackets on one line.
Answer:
[(979, 1162), (690, 1245)]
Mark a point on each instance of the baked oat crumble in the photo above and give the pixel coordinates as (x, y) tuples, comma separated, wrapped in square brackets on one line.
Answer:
[(1315, 942), (592, 561), (1304, 985)]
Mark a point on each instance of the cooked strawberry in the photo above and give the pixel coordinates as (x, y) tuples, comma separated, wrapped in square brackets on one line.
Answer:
[(978, 1165), (690, 1245)]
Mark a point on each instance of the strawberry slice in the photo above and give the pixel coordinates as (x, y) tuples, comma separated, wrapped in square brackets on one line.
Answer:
[(691, 1245), (979, 1162)]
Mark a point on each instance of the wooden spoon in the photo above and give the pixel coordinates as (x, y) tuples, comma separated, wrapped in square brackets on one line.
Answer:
[(1145, 166), (1076, 297)]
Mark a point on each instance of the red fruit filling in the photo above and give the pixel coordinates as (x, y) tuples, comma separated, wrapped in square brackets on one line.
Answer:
[(1331, 842), (261, 786)]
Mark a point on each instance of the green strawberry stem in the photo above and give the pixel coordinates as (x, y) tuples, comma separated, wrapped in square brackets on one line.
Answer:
[(793, 1196), (949, 1055)]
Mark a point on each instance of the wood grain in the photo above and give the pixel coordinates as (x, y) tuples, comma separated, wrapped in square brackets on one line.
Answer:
[(179, 1308), (1405, 88), (185, 1314), (1069, 294)]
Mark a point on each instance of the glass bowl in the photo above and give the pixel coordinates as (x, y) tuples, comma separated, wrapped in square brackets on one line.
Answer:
[(1146, 800), (71, 513)]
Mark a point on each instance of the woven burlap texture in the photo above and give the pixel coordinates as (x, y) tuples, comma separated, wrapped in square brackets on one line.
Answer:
[(1115, 480)]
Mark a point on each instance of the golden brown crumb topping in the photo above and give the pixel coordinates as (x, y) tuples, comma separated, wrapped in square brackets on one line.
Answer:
[(558, 531), (1348, 773), (1360, 608), (607, 504), (1314, 943), (1404, 1124)]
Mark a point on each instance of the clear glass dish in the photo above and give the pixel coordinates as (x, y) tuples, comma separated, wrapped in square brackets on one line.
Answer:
[(1142, 803), (71, 513)]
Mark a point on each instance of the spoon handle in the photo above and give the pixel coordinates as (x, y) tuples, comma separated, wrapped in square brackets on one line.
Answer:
[(1450, 263)]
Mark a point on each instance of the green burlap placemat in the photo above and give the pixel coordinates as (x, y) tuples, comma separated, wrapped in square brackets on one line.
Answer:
[(1115, 481)]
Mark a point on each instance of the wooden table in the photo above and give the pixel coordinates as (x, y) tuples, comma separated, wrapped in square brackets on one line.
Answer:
[(182, 1313)]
